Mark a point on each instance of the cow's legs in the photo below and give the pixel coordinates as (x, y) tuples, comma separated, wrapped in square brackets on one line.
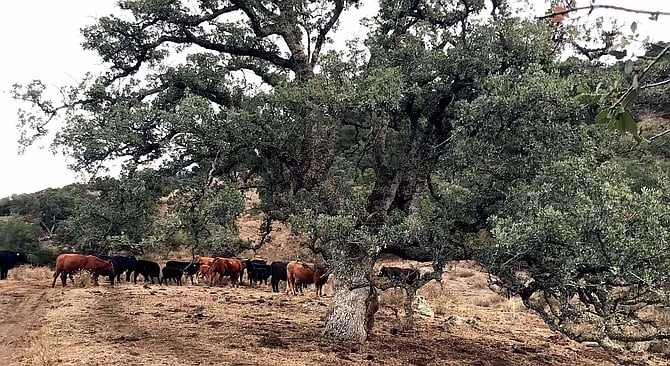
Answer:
[(290, 284), (53, 284), (63, 278), (94, 277)]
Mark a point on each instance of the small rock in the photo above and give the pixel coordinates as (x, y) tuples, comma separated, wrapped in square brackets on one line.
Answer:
[(472, 321), (423, 308), (455, 320)]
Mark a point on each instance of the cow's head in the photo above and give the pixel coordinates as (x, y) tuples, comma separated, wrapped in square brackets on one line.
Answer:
[(21, 257), (192, 267), (107, 269)]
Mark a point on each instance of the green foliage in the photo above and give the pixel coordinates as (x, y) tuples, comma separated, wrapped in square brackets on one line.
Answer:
[(19, 235), (587, 248), (514, 128), (48, 207), (112, 214), (648, 80), (200, 218)]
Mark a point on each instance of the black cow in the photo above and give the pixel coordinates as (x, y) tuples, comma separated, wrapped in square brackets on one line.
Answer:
[(9, 260), (408, 275), (189, 268), (172, 273), (148, 269), (121, 264), (278, 271), (258, 270)]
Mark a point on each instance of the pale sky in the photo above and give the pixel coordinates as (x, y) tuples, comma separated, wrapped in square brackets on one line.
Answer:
[(41, 40)]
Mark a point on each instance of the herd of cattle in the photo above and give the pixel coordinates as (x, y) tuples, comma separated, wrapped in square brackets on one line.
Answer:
[(207, 268), (296, 274)]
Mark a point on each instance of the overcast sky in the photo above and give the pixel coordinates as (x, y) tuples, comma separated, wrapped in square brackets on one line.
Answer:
[(41, 40)]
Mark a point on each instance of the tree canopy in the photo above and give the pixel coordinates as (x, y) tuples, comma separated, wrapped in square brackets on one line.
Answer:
[(413, 142)]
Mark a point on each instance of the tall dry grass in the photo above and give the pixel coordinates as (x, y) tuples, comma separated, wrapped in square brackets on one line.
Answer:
[(471, 292), (42, 352), (30, 273)]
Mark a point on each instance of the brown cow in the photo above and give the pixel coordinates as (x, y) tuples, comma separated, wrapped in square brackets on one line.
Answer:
[(305, 273), (205, 261), (68, 263), (205, 264), (226, 267), (204, 271)]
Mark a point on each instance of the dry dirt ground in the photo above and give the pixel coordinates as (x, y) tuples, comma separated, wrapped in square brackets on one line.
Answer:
[(196, 325)]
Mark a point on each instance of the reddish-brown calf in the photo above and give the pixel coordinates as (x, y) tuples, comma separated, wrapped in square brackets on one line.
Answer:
[(68, 263), (306, 273), (225, 267)]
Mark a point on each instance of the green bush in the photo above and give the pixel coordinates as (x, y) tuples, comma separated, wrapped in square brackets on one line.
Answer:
[(19, 235)]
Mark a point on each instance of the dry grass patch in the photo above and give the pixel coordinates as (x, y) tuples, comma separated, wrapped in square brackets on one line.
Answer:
[(464, 272), (432, 290), (490, 300), (42, 352), (30, 273), (513, 305), (393, 298)]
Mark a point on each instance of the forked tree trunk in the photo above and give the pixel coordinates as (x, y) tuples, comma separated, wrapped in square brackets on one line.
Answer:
[(351, 314)]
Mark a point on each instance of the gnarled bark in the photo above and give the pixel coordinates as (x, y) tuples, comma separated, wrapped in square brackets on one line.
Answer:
[(352, 313)]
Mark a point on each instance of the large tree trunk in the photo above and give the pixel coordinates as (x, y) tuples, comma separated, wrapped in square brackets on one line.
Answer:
[(351, 313)]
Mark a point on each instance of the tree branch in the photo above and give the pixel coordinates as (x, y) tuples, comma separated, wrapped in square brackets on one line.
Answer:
[(323, 32), (592, 7)]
